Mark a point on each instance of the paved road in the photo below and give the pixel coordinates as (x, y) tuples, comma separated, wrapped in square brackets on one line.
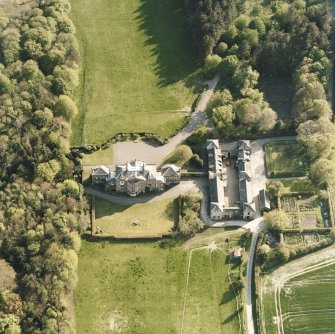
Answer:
[(126, 151)]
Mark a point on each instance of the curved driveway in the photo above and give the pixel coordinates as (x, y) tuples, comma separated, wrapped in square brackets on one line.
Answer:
[(126, 151)]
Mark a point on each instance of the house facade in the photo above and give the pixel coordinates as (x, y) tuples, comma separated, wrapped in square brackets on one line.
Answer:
[(136, 177), (100, 174), (218, 209)]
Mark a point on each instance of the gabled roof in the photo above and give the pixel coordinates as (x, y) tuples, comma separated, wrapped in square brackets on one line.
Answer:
[(243, 175), (250, 207), (170, 170), (212, 143), (100, 170), (216, 207), (244, 144)]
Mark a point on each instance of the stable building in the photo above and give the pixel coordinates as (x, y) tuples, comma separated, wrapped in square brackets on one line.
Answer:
[(246, 208)]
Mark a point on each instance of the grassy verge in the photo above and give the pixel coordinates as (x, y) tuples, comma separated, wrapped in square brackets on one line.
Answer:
[(139, 220), (282, 159), (137, 68), (140, 287)]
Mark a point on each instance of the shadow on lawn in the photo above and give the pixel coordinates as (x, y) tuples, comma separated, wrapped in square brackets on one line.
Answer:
[(164, 22), (227, 296), (230, 318)]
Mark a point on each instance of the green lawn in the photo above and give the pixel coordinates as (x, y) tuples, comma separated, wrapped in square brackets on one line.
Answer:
[(282, 159), (309, 302), (154, 218), (140, 287), (137, 65), (100, 157), (297, 186)]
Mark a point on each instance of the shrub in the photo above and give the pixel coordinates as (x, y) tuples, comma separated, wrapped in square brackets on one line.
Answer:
[(276, 221), (211, 62), (197, 161), (180, 155), (222, 49)]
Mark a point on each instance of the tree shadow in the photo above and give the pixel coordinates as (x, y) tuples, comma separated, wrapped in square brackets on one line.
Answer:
[(227, 296), (230, 318), (164, 22)]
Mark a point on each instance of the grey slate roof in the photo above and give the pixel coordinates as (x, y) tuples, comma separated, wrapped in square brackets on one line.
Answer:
[(212, 143), (170, 170), (216, 190), (216, 207), (100, 170)]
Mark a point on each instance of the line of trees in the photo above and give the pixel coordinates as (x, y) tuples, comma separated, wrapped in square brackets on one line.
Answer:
[(41, 206)]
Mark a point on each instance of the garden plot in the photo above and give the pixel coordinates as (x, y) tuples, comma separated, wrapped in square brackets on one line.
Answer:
[(307, 212), (282, 159)]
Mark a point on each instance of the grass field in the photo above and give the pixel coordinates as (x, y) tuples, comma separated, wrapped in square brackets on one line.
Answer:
[(152, 219), (140, 288), (308, 302), (282, 159), (210, 306), (137, 65)]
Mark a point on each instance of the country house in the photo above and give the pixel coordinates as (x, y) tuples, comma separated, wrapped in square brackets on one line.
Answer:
[(136, 177)]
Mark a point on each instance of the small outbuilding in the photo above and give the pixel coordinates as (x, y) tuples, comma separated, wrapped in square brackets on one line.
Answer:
[(237, 252), (264, 203)]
